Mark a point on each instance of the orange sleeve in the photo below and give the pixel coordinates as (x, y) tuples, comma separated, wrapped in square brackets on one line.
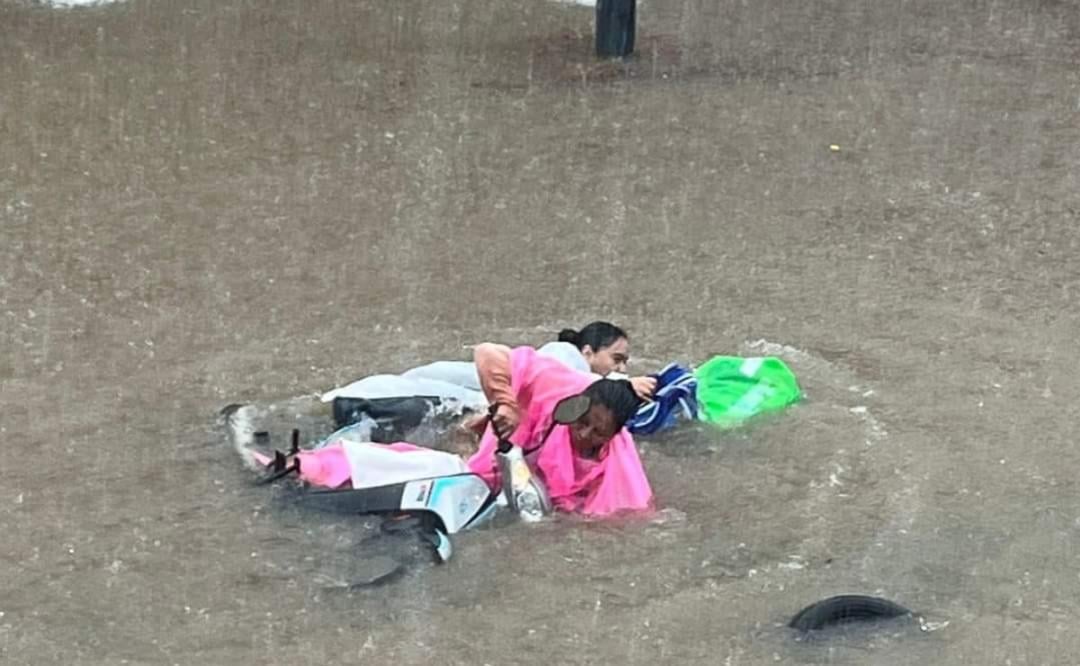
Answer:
[(493, 367)]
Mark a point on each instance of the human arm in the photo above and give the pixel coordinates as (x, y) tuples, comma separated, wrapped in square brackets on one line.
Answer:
[(644, 386), (493, 367)]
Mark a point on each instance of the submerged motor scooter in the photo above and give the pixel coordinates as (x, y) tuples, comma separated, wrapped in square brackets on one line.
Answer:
[(439, 506)]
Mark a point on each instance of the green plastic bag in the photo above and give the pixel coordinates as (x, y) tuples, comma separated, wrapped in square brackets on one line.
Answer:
[(732, 389)]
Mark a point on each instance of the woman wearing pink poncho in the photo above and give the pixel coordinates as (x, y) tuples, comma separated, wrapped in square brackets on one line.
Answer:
[(590, 466)]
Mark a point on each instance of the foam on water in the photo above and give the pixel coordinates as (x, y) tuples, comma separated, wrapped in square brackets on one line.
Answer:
[(875, 431), (70, 4), (904, 501)]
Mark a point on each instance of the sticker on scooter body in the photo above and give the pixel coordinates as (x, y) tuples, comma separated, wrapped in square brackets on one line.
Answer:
[(457, 500)]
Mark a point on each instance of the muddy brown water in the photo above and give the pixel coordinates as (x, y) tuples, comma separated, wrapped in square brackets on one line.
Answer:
[(206, 202)]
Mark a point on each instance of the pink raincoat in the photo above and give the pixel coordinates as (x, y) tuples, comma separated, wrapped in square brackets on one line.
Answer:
[(614, 482)]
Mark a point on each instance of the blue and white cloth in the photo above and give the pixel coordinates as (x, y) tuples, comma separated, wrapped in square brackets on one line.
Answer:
[(676, 391)]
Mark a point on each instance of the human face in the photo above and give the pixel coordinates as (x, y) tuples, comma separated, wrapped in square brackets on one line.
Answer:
[(592, 431), (612, 358)]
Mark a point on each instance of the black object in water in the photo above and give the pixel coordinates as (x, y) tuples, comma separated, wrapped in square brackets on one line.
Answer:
[(393, 417), (615, 27), (844, 609)]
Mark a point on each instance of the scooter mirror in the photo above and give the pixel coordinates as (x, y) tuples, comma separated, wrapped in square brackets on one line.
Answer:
[(570, 410)]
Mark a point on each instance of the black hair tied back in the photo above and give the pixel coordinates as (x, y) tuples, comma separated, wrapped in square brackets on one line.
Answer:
[(571, 336), (597, 335)]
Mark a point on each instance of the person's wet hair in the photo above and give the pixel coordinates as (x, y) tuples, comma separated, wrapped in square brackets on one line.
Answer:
[(617, 395), (598, 335)]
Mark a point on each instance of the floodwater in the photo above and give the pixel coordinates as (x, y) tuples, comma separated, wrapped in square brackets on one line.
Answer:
[(211, 201)]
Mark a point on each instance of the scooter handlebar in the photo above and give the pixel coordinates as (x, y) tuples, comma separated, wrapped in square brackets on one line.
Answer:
[(505, 444)]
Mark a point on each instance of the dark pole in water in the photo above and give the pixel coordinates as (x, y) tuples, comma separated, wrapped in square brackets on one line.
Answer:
[(615, 27)]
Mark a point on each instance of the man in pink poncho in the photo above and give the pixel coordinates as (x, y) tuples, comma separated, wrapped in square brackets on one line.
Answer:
[(590, 466)]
